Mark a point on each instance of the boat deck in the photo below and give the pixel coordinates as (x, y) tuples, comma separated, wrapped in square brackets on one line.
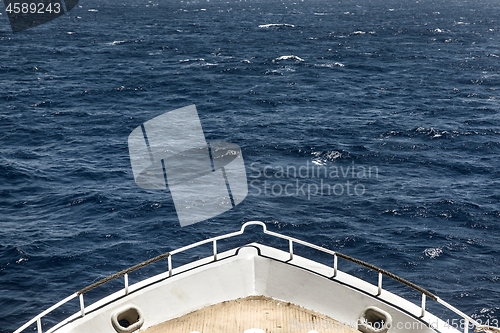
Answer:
[(254, 312)]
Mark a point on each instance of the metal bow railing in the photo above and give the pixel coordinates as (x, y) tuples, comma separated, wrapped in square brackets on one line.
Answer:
[(468, 321)]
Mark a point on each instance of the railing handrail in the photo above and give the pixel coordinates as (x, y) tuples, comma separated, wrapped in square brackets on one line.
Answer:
[(425, 293)]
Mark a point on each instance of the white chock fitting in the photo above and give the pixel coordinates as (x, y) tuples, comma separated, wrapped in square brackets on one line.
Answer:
[(127, 320)]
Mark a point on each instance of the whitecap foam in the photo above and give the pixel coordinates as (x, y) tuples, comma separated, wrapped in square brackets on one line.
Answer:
[(116, 42), (438, 30), (322, 158), (433, 252), (189, 60), (330, 65), (318, 162), (289, 57), (265, 26), (332, 155)]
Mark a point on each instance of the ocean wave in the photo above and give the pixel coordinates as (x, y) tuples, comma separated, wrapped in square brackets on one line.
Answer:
[(279, 71), (190, 60), (272, 25), (116, 42), (322, 158), (289, 57), (439, 31), (196, 62), (431, 133), (433, 252), (330, 65)]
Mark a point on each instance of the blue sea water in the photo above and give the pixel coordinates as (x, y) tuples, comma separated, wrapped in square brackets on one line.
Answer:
[(393, 106)]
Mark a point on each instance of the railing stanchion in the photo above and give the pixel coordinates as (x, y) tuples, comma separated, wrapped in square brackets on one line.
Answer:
[(335, 261), (169, 265), (466, 327), (379, 283), (423, 305), (39, 325), (215, 250), (82, 305), (125, 277), (290, 245)]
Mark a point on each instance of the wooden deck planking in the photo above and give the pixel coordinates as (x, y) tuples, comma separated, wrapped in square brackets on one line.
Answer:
[(236, 316)]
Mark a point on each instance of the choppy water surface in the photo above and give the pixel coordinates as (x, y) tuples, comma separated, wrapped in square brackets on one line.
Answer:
[(392, 106)]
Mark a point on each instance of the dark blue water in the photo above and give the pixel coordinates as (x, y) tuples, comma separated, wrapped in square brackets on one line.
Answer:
[(405, 93)]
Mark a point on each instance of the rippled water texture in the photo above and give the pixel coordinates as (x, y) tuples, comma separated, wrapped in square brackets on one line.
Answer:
[(391, 106)]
